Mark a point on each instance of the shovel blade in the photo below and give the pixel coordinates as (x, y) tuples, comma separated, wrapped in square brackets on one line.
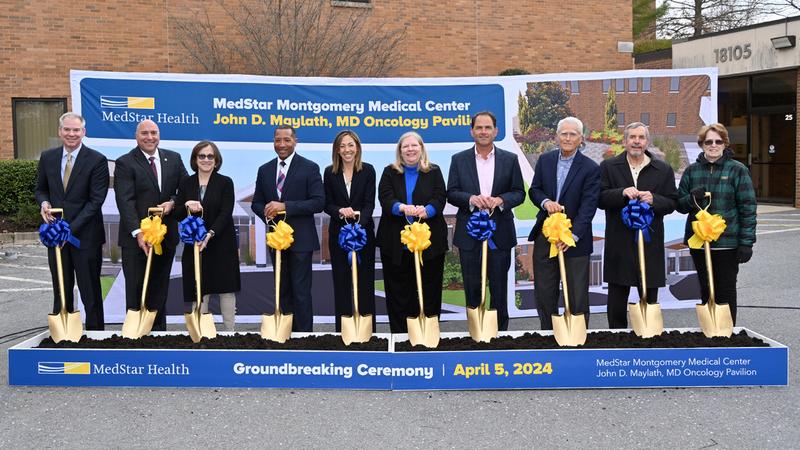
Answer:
[(423, 331), (70, 329), (715, 320), (356, 330), (482, 329), (276, 327), (569, 329), (138, 323), (202, 327), (646, 319)]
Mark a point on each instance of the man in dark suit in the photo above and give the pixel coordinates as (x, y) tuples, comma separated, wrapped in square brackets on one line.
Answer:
[(75, 177), (564, 180), (292, 184), (147, 177), (634, 174), (485, 177)]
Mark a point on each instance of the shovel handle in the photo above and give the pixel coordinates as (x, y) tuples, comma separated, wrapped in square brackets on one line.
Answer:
[(197, 278), (277, 283), (484, 270), (354, 266), (562, 269), (155, 211), (710, 272), (418, 273), (642, 270), (143, 307), (61, 290)]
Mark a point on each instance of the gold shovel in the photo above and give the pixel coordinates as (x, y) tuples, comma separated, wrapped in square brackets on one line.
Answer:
[(715, 320), (277, 327), (139, 322), (646, 319), (356, 328), (64, 326), (199, 325), (422, 330), (569, 329), (482, 322)]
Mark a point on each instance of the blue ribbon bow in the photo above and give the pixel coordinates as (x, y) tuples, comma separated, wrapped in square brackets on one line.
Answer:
[(55, 234), (638, 215), (192, 229), (482, 228), (352, 238)]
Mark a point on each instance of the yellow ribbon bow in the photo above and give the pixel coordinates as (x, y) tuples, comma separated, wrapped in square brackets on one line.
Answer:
[(417, 236), (556, 228), (153, 232), (708, 227), (281, 236)]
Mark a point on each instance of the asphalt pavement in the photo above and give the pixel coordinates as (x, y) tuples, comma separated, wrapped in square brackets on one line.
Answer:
[(752, 417)]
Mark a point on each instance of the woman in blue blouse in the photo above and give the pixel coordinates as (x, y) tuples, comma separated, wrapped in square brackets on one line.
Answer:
[(411, 189)]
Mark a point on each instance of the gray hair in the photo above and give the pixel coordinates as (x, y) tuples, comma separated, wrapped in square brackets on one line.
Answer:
[(635, 125), (71, 115), (573, 120)]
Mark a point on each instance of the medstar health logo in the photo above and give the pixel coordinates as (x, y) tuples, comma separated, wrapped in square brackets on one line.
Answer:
[(63, 368), (115, 101)]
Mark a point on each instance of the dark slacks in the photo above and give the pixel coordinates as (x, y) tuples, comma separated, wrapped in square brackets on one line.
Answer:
[(296, 288), (82, 264), (343, 283), (726, 269), (401, 289), (546, 278), (617, 306), (498, 263), (134, 263)]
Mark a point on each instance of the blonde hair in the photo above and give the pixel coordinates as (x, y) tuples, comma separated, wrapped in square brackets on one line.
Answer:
[(423, 165)]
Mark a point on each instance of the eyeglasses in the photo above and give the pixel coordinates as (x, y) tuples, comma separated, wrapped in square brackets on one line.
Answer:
[(713, 141), (203, 156)]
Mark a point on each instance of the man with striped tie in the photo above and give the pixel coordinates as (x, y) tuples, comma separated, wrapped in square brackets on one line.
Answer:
[(292, 184)]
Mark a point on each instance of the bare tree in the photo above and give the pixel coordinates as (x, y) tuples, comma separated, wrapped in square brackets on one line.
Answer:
[(290, 38), (697, 17)]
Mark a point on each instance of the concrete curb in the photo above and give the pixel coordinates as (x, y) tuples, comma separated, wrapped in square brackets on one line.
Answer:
[(19, 238)]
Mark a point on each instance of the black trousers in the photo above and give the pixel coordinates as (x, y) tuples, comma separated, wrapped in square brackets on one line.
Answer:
[(617, 306), (498, 263), (726, 268), (296, 288), (343, 283), (546, 280), (84, 265), (401, 288), (134, 263)]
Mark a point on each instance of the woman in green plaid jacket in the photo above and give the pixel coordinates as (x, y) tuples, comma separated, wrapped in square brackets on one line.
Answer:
[(732, 197)]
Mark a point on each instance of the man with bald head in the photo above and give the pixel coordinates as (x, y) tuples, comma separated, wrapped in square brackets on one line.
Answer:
[(146, 177)]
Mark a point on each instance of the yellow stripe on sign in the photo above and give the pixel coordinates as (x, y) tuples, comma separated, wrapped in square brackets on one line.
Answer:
[(76, 368), (142, 102)]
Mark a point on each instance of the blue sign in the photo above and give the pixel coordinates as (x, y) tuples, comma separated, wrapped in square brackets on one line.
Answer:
[(250, 112)]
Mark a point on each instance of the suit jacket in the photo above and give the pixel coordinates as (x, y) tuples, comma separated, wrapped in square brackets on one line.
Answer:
[(361, 198), (220, 259), (620, 247), (86, 191), (579, 196), (136, 190), (429, 189), (462, 183), (303, 196)]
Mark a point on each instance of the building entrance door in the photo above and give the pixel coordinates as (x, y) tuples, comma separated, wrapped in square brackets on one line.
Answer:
[(772, 154)]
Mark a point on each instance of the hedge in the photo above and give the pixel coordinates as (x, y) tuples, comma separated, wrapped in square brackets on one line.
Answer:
[(17, 185)]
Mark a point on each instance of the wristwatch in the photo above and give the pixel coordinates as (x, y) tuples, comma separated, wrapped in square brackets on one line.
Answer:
[(212, 233)]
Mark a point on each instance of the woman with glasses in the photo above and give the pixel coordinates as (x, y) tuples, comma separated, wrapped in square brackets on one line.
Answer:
[(350, 187), (411, 189), (211, 194), (732, 197)]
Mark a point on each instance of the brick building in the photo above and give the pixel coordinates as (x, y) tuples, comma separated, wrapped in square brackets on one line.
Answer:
[(41, 41)]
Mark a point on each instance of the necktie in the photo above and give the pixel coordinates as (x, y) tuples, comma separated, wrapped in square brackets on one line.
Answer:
[(281, 179), (67, 170), (153, 167)]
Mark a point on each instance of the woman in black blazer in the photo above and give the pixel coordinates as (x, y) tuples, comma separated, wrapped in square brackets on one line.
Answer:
[(212, 194), (349, 187), (411, 189)]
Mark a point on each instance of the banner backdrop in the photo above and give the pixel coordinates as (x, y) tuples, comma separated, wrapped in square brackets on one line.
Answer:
[(241, 112)]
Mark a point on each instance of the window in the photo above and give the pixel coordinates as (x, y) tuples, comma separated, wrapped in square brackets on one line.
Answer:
[(674, 84), (672, 119), (36, 125), (563, 84), (633, 85), (645, 118), (620, 119), (575, 87), (606, 86), (645, 84), (620, 86)]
